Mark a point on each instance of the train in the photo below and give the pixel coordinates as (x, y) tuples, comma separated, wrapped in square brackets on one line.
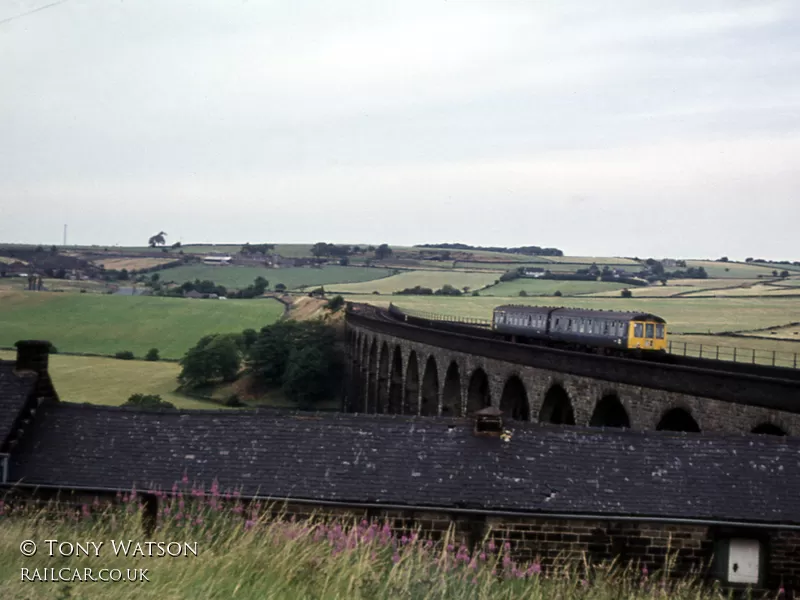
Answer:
[(602, 331)]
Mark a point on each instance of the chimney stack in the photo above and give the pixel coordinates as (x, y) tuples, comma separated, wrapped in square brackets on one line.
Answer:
[(32, 355), (489, 421)]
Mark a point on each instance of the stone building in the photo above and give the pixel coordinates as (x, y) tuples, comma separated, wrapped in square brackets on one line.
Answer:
[(725, 503)]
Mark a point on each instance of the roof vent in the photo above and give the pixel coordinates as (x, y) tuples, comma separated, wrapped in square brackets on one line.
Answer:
[(489, 421)]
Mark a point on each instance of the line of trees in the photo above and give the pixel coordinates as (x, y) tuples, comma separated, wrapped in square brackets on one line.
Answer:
[(527, 250)]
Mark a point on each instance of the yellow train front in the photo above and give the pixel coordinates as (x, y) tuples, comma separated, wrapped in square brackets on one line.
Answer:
[(633, 331)]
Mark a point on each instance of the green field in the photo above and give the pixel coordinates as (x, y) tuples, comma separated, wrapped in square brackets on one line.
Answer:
[(293, 277), (57, 285), (104, 324), (410, 279), (547, 287), (693, 315), (599, 260), (728, 270), (111, 381)]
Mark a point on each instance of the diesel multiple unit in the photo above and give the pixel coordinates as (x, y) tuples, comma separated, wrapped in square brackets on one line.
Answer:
[(599, 329)]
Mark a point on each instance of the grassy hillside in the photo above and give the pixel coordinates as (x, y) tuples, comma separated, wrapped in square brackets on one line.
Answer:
[(106, 324), (295, 277), (409, 279), (547, 287)]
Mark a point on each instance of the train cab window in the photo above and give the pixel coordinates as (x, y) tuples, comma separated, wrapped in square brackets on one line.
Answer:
[(649, 330), (660, 331), (638, 330), (605, 327), (530, 320)]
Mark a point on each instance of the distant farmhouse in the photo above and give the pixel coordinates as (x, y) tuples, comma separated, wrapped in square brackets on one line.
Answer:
[(547, 490), (217, 260)]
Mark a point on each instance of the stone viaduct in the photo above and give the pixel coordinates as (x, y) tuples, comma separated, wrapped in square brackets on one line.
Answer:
[(398, 367)]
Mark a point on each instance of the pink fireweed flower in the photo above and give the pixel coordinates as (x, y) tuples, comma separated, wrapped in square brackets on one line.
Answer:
[(645, 571), (492, 546), (249, 524), (507, 546), (482, 556), (395, 558), (185, 478), (535, 568)]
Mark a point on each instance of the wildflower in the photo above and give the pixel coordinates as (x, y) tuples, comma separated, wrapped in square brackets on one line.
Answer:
[(507, 546), (482, 556), (185, 478), (249, 524), (644, 571), (491, 546), (584, 583), (395, 558), (781, 592), (535, 568)]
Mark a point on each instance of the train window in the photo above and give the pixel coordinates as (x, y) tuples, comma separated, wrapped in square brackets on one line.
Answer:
[(649, 330), (530, 320), (638, 330), (605, 327), (659, 331)]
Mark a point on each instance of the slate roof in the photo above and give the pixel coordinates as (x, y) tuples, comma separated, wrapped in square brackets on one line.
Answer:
[(15, 389), (417, 461)]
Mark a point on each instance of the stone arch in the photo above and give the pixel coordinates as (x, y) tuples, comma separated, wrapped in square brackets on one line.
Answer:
[(557, 407), (478, 392), (768, 429), (372, 376), (383, 380), (411, 403), (429, 403), (514, 400), (609, 412), (451, 394), (678, 419), (396, 383)]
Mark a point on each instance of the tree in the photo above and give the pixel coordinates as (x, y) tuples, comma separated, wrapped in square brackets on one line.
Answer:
[(124, 355), (344, 261), (383, 251), (152, 354), (269, 356), (249, 336), (149, 401), (123, 275), (310, 375), (723, 259), (176, 245), (335, 303), (214, 357), (279, 287), (260, 285), (784, 273), (157, 240), (626, 293)]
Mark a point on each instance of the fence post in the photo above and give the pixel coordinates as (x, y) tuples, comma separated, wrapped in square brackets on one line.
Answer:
[(795, 360), (717, 352), (684, 348), (773, 358), (754, 356), (670, 347), (701, 350), (734, 354)]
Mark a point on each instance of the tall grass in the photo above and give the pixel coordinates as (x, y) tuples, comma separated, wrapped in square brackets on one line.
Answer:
[(242, 552)]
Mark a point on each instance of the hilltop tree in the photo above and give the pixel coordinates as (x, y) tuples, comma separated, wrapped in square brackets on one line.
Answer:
[(157, 239), (151, 401), (383, 251)]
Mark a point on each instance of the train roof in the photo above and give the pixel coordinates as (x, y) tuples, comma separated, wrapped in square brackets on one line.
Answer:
[(584, 312)]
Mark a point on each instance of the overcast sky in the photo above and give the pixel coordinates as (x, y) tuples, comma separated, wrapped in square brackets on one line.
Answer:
[(610, 127)]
